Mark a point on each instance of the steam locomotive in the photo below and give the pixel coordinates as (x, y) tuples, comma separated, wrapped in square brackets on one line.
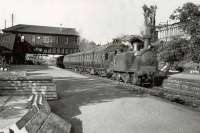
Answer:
[(135, 65)]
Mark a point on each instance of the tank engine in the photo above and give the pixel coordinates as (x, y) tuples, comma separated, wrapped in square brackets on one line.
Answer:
[(136, 65)]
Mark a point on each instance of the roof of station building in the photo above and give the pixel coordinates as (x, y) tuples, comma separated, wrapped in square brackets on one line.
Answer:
[(7, 41), (23, 28)]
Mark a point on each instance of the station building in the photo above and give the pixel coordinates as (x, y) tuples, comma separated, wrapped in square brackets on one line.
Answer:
[(167, 32), (19, 40)]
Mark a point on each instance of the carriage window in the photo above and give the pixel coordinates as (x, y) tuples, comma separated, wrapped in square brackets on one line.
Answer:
[(66, 40), (106, 56), (115, 52), (33, 39)]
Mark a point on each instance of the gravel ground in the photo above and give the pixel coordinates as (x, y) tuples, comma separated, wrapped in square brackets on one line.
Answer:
[(97, 106)]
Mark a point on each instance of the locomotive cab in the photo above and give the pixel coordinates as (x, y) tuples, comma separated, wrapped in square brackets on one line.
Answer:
[(137, 46)]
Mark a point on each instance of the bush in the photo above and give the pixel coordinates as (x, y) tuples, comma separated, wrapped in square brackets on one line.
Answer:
[(195, 49), (173, 51)]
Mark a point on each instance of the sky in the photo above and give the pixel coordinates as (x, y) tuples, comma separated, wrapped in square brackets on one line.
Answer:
[(95, 20)]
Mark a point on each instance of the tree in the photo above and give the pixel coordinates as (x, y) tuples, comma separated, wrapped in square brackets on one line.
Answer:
[(86, 44), (173, 51), (195, 49), (124, 38), (189, 16)]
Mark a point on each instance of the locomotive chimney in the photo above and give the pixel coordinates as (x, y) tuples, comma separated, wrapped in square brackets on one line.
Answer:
[(5, 23), (149, 24)]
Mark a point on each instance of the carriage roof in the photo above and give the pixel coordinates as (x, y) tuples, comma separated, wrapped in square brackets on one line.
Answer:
[(111, 46)]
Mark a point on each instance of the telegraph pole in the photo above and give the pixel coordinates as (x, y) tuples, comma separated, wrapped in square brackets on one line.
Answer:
[(12, 17), (5, 23), (167, 28)]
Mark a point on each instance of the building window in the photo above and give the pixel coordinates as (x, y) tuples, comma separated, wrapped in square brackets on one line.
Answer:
[(33, 39), (62, 51), (53, 50), (66, 40), (22, 38), (45, 51), (46, 39), (77, 40), (57, 40), (66, 51), (50, 39), (106, 56)]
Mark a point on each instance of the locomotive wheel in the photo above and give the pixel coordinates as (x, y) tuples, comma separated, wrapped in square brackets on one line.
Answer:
[(136, 80), (118, 77), (114, 76), (92, 71), (109, 75), (126, 78), (139, 81)]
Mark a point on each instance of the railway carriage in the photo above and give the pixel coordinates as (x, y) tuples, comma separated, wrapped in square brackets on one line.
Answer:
[(95, 61)]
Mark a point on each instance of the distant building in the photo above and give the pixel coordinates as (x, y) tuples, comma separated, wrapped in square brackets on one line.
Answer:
[(18, 40), (167, 32)]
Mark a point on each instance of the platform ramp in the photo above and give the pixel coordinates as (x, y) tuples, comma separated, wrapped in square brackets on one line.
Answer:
[(22, 114)]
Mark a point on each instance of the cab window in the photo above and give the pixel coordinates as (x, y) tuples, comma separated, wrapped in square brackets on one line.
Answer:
[(115, 52)]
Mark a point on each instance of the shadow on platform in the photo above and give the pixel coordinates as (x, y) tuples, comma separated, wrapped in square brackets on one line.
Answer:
[(76, 92)]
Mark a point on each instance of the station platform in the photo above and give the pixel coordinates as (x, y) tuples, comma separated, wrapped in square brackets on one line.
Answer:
[(102, 106)]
